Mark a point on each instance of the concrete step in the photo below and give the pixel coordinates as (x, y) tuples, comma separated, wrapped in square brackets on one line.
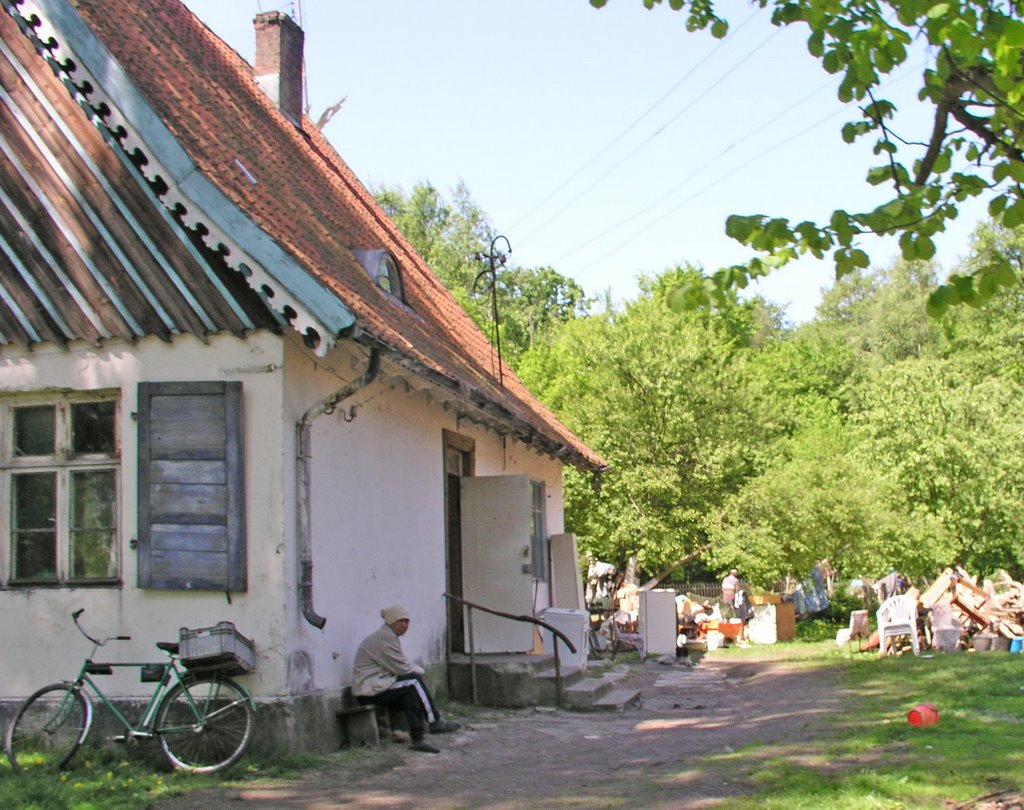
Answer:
[(584, 694), (514, 681), (617, 700), (520, 681)]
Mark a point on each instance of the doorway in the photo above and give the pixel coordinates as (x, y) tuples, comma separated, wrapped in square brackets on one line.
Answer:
[(459, 452)]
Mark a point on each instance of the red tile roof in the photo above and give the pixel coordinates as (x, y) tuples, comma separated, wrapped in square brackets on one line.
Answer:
[(310, 203)]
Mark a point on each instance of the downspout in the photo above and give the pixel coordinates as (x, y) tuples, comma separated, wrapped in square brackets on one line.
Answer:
[(303, 469)]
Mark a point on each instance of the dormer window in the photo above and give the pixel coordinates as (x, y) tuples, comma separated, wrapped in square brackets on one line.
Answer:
[(382, 267)]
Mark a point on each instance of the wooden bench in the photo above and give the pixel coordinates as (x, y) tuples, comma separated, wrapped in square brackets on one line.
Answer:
[(359, 725), (366, 725)]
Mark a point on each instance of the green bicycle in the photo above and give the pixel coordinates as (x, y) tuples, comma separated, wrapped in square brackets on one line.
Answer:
[(204, 721)]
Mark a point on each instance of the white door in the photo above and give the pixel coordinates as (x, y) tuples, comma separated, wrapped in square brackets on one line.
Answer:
[(496, 565)]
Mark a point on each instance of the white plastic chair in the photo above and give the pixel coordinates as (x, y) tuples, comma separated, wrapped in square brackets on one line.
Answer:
[(897, 616)]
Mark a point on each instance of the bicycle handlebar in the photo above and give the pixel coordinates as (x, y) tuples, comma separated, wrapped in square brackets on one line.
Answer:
[(95, 641)]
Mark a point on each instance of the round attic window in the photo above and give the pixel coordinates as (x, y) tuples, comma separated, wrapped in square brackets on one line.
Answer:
[(387, 276)]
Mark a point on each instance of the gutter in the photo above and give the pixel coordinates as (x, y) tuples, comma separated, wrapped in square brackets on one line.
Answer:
[(303, 469)]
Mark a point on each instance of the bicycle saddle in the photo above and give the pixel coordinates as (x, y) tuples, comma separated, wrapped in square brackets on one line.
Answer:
[(168, 646)]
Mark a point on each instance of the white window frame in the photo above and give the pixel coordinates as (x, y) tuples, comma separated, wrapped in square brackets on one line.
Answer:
[(63, 464)]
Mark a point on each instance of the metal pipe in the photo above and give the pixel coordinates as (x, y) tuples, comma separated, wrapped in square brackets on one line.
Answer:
[(472, 655), (303, 476)]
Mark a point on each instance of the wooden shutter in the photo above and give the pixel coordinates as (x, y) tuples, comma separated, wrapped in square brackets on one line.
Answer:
[(191, 486)]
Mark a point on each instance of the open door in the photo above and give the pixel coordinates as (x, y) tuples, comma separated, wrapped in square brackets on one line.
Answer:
[(497, 571)]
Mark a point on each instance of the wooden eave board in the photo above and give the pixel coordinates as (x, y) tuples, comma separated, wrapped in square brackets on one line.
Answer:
[(88, 252), (190, 105)]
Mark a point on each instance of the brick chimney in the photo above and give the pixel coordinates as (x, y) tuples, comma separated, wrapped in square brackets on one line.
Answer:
[(279, 42)]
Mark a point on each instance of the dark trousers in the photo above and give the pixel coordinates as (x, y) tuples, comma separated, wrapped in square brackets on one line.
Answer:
[(410, 694)]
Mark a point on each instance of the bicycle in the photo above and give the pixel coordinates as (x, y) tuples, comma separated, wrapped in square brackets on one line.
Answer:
[(204, 721)]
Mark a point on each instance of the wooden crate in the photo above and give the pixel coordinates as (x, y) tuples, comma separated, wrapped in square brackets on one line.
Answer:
[(785, 621)]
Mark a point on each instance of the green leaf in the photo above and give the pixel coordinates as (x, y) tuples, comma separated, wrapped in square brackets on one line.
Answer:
[(996, 205), (1013, 33), (925, 247), (719, 28), (878, 175), (1005, 275), (740, 227), (938, 303), (1014, 215), (938, 11)]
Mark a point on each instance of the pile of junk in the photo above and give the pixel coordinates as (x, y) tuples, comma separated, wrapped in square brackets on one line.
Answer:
[(953, 612), (659, 621)]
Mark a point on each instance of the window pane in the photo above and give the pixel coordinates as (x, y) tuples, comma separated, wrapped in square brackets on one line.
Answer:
[(34, 430), (92, 427), (93, 525), (33, 526)]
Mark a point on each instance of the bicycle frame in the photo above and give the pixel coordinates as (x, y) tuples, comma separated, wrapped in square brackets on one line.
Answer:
[(203, 720), (144, 727)]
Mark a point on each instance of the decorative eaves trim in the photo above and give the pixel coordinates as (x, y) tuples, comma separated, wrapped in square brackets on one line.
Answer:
[(310, 307)]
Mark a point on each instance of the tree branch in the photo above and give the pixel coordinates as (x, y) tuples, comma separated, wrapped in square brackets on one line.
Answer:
[(668, 569)]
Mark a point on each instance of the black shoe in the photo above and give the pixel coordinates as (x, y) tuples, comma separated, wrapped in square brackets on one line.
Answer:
[(444, 726), (424, 747)]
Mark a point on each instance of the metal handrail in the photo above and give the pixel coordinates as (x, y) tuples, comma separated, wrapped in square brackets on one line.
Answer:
[(556, 633)]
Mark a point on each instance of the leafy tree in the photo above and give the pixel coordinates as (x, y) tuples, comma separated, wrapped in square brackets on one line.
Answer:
[(974, 80), (821, 500), (953, 450), (881, 313), (455, 238), (668, 399), (986, 340)]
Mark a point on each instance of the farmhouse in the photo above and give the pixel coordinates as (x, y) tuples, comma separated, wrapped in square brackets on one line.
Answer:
[(230, 390)]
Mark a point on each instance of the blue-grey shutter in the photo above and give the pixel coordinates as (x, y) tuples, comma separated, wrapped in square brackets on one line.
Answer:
[(191, 486)]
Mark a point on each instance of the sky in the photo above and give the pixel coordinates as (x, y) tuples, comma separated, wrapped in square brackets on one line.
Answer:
[(607, 144)]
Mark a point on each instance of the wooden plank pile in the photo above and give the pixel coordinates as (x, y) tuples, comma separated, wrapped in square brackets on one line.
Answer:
[(996, 607)]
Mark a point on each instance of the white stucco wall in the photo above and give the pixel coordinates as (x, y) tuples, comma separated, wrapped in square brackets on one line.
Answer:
[(37, 620), (378, 517), (378, 524)]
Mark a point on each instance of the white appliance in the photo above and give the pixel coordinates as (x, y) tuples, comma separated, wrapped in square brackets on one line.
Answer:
[(576, 625), (657, 622)]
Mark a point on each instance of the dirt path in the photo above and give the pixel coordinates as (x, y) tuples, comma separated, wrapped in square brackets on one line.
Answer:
[(665, 753)]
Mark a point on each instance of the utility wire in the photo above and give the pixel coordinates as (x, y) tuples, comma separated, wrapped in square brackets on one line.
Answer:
[(703, 168), (650, 138), (727, 175), (631, 126)]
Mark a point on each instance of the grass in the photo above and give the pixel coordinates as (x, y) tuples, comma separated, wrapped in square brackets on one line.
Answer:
[(875, 758), (131, 778)]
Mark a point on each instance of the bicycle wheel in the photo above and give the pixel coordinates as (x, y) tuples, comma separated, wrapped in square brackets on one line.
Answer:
[(48, 728), (205, 723)]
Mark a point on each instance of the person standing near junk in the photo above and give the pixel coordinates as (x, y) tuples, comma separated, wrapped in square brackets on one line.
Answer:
[(383, 676), (730, 585)]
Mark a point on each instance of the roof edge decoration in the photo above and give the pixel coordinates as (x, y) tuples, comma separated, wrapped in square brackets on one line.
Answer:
[(223, 167), (73, 50)]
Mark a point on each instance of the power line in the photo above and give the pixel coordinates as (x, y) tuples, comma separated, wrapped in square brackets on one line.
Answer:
[(630, 127), (703, 168), (650, 138), (725, 176)]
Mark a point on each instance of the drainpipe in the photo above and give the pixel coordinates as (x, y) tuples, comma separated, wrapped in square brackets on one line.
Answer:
[(303, 469)]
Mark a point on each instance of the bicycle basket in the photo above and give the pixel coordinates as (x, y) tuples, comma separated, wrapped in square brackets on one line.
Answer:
[(220, 648)]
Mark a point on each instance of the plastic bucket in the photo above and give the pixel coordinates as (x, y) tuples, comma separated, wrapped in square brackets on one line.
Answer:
[(923, 714), (1017, 645)]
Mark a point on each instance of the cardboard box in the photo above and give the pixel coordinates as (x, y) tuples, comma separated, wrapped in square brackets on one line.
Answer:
[(785, 621), (765, 599)]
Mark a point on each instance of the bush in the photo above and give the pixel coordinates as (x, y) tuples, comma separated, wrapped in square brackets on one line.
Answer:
[(824, 625)]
